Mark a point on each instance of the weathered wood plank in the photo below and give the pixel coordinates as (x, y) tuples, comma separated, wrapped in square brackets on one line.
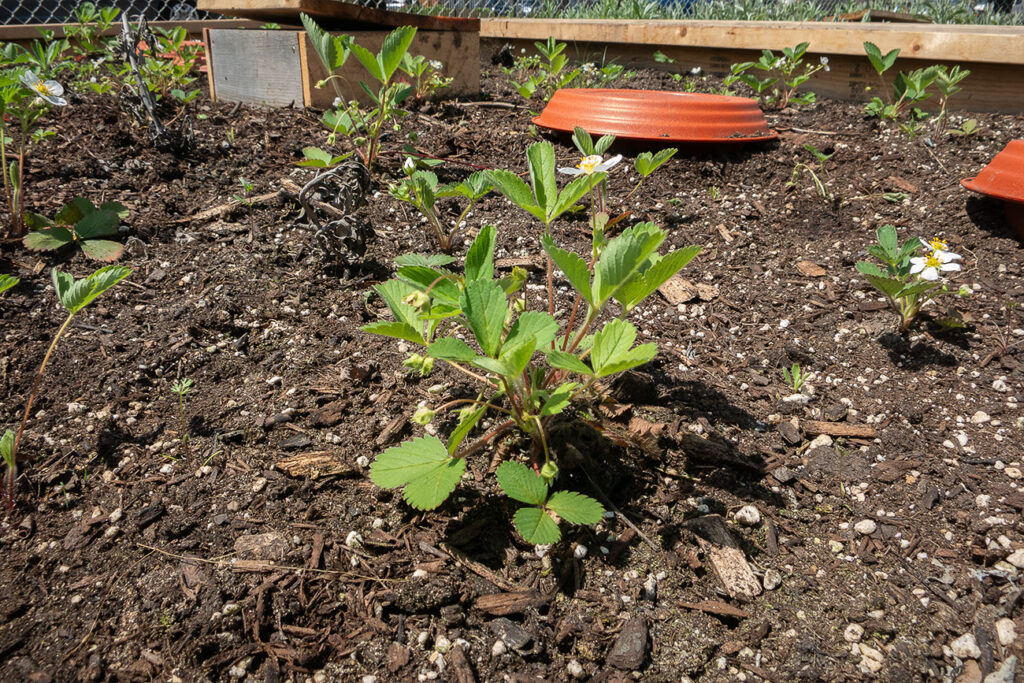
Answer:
[(967, 43), (334, 14), (255, 66), (459, 51)]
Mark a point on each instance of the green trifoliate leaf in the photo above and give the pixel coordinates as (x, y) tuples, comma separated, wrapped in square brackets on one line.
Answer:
[(483, 302), (575, 507), (567, 361), (480, 257), (102, 250), (612, 353), (451, 349), (558, 400), (541, 157), (521, 483), (100, 223), (647, 163), (397, 330), (517, 191), (574, 267), (623, 258), (7, 281), (394, 293), (316, 154), (426, 260), (48, 239), (891, 287), (331, 50), (441, 284), (423, 466), (517, 357), (573, 192), (536, 526), (75, 295), (642, 286), (535, 326)]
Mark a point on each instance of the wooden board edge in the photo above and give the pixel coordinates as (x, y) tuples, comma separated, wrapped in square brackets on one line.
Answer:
[(209, 65)]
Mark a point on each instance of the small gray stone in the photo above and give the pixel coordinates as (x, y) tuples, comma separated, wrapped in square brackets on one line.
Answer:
[(772, 579), (783, 475), (965, 647), (1006, 631), (1006, 674), (790, 433), (748, 515), (865, 527), (511, 633), (268, 546), (630, 647)]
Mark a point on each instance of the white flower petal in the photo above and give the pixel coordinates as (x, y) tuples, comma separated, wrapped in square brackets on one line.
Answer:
[(570, 171), (609, 164), (916, 267), (55, 88), (946, 256), (930, 273), (949, 266)]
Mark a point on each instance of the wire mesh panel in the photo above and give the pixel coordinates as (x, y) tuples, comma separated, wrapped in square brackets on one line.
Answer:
[(63, 11)]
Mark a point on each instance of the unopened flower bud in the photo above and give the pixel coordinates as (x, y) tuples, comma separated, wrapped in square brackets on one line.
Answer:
[(417, 299), (423, 416), (549, 471)]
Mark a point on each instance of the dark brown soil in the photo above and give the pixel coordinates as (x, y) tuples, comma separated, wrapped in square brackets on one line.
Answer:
[(131, 557)]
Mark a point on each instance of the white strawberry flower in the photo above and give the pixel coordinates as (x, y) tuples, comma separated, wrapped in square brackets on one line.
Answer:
[(941, 251), (931, 266), (50, 91), (592, 164)]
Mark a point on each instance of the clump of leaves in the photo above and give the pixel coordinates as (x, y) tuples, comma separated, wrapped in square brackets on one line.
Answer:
[(421, 190), (79, 222), (784, 74), (907, 280), (795, 377), (544, 73), (181, 388), (530, 367), (74, 295), (820, 182)]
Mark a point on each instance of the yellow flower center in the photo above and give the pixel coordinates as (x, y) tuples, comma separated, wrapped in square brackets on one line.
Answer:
[(43, 89), (932, 261), (938, 245), (588, 164)]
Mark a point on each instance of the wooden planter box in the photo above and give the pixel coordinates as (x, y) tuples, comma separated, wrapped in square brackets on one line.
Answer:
[(994, 54), (280, 67)]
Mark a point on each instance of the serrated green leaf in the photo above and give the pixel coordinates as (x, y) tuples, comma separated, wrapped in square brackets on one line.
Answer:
[(575, 508), (7, 447), (584, 143), (35, 221), (535, 326), (75, 295), (889, 286), (493, 365), (99, 223), (425, 260), (567, 361), (393, 292), (317, 154), (369, 61), (102, 250), (639, 288), (396, 44), (465, 426), (536, 526), (483, 302), (917, 288), (74, 211), (451, 349), (521, 483), (868, 268), (518, 356), (888, 241), (442, 287), (622, 259), (541, 158), (480, 257), (48, 239), (602, 145), (574, 267), (7, 281), (611, 352), (517, 191), (423, 466), (573, 192), (117, 207), (558, 400), (397, 330)]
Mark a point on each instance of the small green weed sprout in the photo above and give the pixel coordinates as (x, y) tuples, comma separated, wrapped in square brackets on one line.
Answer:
[(7, 281), (544, 73), (948, 83), (907, 280), (795, 377), (181, 388), (966, 129), (79, 222), (363, 128), (74, 295), (908, 89), (421, 190), (819, 182), (785, 74)]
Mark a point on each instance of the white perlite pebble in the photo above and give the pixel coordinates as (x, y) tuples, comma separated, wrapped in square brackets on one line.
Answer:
[(748, 515), (980, 417), (820, 440), (865, 527), (871, 659), (575, 669), (354, 539), (965, 647), (853, 633), (1016, 558), (498, 649), (772, 579), (1006, 630)]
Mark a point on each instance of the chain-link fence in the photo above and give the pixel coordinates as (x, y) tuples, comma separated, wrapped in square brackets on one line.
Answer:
[(63, 11)]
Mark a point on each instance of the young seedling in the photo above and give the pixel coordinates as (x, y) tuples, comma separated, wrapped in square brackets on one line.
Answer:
[(948, 83), (966, 129), (795, 377), (181, 388), (786, 73), (74, 295), (820, 185), (79, 222), (7, 281), (907, 280), (246, 199), (426, 75), (421, 189), (880, 63)]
